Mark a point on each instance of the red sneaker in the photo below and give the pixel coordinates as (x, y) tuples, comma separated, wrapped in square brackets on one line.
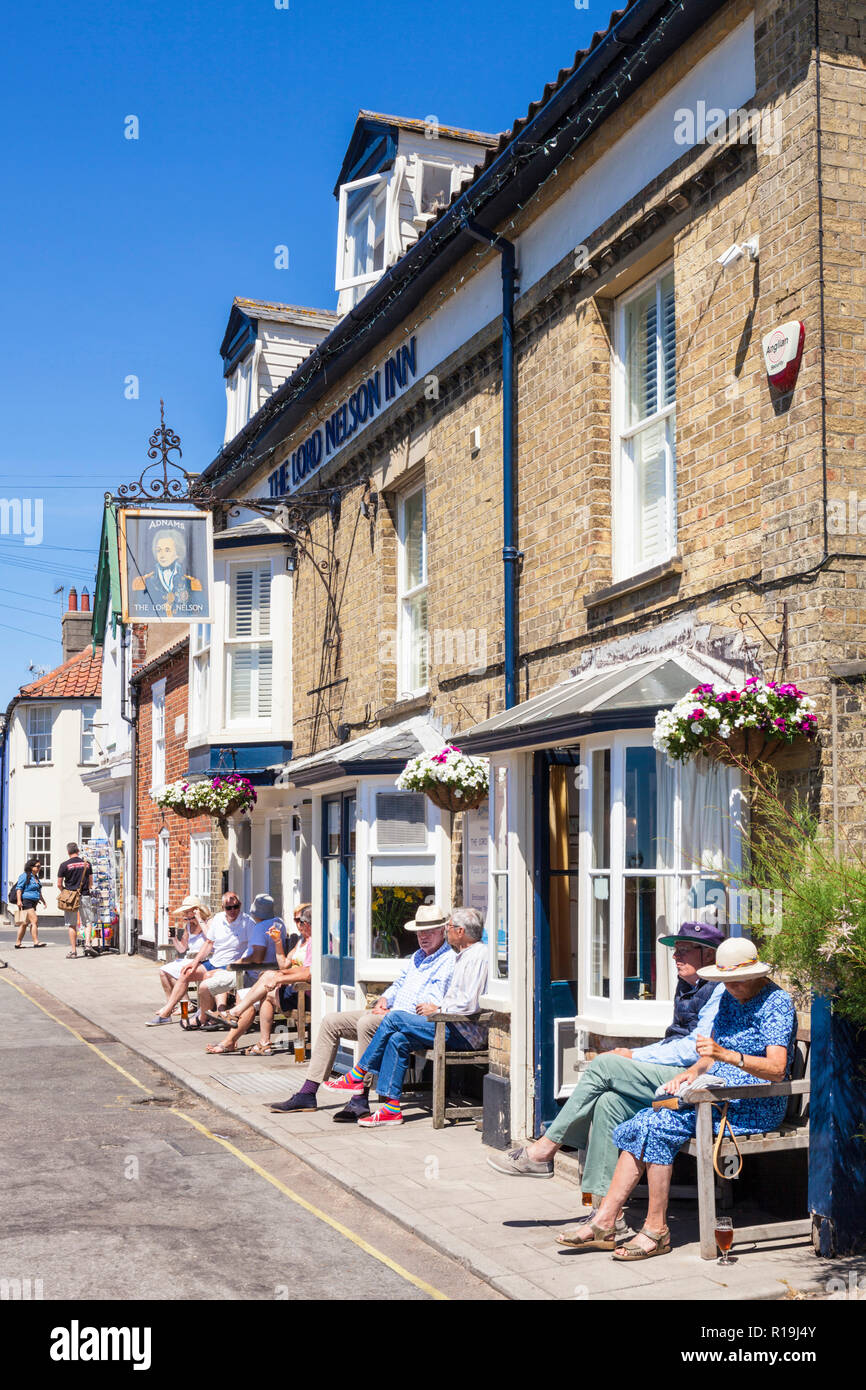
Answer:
[(382, 1117), (344, 1083)]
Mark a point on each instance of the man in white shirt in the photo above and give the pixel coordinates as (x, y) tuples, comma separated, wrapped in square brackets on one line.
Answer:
[(400, 1032), (226, 939)]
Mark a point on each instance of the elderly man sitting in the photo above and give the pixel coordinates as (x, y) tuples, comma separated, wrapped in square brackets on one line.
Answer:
[(423, 979), (620, 1083), (402, 1032)]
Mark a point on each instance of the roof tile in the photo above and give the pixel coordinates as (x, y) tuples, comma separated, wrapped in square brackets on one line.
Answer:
[(78, 678)]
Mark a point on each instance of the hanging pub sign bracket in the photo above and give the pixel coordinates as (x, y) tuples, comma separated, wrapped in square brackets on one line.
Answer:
[(779, 647)]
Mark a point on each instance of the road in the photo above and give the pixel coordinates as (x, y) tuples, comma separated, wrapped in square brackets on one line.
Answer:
[(117, 1183)]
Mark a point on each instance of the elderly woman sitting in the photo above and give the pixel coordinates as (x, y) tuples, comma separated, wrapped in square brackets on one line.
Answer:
[(753, 1040)]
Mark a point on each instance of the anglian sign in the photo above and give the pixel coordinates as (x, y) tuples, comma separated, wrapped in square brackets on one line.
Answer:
[(364, 404)]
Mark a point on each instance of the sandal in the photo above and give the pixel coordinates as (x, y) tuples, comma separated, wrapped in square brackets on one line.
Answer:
[(258, 1051), (220, 1050), (37, 944), (191, 1026), (631, 1251), (602, 1238), (224, 1019), (72, 955)]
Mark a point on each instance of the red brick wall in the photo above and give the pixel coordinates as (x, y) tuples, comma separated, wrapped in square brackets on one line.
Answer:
[(151, 819)]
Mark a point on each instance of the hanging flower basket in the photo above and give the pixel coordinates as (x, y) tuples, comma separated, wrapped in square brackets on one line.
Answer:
[(452, 780), (220, 796), (768, 723), (753, 746), (449, 799)]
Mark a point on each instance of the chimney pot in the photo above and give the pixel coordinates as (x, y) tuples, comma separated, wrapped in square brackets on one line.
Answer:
[(73, 600), (85, 601)]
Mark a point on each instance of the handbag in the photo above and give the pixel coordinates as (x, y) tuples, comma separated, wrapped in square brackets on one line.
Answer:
[(676, 1103), (68, 899)]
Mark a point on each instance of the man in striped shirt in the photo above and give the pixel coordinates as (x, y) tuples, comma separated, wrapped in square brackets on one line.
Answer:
[(422, 983)]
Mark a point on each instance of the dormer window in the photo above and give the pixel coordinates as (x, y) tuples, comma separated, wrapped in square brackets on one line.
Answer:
[(361, 239)]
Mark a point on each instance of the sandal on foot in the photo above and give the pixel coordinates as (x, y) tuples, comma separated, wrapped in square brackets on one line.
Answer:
[(220, 1050), (191, 1025), (600, 1238), (631, 1251), (72, 955), (225, 1019), (258, 1051)]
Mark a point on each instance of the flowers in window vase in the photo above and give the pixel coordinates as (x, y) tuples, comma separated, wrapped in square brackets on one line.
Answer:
[(764, 722), (452, 780), (221, 796)]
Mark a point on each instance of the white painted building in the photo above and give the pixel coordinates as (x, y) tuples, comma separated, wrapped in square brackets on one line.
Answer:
[(51, 742)]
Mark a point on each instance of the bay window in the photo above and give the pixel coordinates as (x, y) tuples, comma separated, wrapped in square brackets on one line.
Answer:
[(658, 846), (644, 482), (249, 647)]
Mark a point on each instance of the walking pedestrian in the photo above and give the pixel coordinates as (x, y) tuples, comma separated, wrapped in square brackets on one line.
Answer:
[(28, 895)]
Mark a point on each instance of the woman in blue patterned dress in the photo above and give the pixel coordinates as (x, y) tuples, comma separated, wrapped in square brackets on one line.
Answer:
[(753, 1040)]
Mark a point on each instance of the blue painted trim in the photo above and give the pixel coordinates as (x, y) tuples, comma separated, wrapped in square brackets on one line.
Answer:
[(226, 541), (240, 344), (837, 1152), (257, 761)]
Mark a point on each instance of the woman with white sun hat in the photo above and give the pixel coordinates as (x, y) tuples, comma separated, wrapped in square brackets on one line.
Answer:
[(753, 1040)]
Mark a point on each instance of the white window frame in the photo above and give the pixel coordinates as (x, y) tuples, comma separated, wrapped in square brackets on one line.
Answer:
[(157, 734), (626, 561), (82, 826), (88, 733), (200, 865), (253, 719), (148, 890), (405, 596), (47, 710), (650, 1017), (35, 851), (199, 679), (344, 279), (420, 165)]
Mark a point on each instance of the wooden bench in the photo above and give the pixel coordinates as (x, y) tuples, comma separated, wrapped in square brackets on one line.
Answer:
[(443, 1058), (793, 1133)]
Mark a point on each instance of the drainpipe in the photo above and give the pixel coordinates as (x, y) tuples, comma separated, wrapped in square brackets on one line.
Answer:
[(511, 556)]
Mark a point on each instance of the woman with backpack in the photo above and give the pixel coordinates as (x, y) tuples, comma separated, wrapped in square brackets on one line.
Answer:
[(28, 895)]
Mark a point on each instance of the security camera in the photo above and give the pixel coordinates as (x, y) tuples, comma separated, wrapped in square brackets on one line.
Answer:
[(738, 251)]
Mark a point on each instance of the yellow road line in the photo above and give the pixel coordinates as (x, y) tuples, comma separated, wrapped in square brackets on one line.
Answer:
[(250, 1163), (314, 1211), (77, 1035)]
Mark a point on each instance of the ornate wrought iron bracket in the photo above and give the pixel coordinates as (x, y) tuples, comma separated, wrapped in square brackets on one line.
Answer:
[(780, 647)]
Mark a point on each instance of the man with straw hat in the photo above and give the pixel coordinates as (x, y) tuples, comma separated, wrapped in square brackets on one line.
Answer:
[(423, 979)]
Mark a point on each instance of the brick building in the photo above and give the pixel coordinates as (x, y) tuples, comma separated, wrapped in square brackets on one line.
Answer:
[(691, 183), (175, 856)]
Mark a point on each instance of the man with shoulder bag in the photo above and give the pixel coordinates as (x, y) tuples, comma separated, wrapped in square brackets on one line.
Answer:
[(74, 881)]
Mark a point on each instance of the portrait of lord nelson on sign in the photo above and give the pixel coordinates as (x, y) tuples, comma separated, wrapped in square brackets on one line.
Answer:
[(167, 566)]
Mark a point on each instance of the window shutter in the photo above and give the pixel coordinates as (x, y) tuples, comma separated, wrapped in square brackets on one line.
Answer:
[(652, 491), (401, 820), (668, 341), (240, 694), (264, 605), (265, 674), (242, 603)]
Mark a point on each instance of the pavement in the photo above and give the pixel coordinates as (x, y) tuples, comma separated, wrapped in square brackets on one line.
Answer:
[(436, 1184), (117, 1184)]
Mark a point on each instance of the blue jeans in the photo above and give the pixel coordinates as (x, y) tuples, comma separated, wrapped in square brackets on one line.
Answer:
[(395, 1039)]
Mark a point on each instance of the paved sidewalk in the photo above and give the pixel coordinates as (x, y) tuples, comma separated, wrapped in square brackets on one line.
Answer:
[(436, 1183)]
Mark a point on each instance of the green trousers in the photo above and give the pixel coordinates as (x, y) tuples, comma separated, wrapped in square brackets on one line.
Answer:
[(611, 1090)]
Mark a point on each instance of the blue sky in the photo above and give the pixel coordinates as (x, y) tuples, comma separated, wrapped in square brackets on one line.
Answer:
[(121, 257)]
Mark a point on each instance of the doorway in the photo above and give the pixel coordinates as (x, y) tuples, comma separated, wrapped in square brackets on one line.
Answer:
[(338, 901)]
